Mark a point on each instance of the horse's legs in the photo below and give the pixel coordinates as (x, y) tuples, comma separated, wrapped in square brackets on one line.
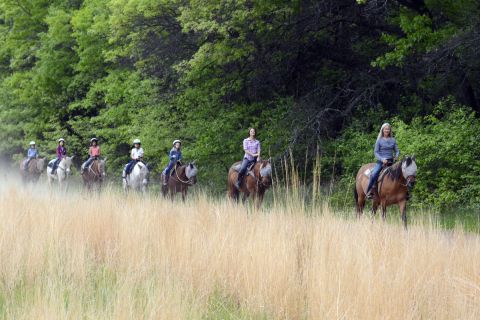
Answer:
[(374, 209), (403, 209), (245, 196), (360, 205), (384, 212)]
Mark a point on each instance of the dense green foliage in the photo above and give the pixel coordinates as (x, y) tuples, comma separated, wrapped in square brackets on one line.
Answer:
[(324, 73)]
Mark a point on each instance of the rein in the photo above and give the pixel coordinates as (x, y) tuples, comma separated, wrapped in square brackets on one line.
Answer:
[(188, 182)]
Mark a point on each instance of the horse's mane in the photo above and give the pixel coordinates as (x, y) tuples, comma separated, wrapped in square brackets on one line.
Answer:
[(395, 170)]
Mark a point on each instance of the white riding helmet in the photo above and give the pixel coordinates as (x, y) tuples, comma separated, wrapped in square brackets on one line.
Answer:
[(175, 141), (61, 139), (32, 143), (137, 141), (93, 139)]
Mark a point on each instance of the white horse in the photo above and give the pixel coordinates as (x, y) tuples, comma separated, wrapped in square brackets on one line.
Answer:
[(62, 173), (137, 179)]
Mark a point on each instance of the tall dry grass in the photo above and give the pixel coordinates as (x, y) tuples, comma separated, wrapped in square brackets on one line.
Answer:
[(131, 258)]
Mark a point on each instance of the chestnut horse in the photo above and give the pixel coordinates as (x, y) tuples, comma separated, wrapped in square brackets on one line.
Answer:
[(94, 174), (182, 177), (393, 186), (33, 171), (255, 181)]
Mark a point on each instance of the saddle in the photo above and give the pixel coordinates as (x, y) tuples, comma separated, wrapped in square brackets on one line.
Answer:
[(238, 166)]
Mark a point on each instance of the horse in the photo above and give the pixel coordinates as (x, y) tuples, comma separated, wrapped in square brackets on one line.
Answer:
[(393, 187), (94, 174), (183, 177), (33, 171), (137, 179), (255, 182), (62, 173)]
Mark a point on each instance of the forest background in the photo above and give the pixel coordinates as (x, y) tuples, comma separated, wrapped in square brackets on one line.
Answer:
[(312, 76)]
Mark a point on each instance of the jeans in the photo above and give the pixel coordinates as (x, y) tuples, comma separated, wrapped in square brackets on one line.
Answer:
[(168, 168), (87, 163), (25, 165), (243, 169), (55, 164), (374, 175), (130, 166)]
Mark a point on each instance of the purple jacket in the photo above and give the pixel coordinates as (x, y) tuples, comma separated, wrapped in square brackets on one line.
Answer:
[(61, 152)]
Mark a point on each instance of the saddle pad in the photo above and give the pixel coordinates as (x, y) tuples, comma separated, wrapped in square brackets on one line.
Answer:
[(51, 162), (237, 167), (368, 172)]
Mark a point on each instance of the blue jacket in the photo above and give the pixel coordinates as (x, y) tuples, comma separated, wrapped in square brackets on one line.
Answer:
[(32, 153), (175, 155)]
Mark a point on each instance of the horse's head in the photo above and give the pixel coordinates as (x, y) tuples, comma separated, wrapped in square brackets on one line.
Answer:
[(409, 170), (191, 172), (67, 163), (41, 164), (101, 167), (266, 173)]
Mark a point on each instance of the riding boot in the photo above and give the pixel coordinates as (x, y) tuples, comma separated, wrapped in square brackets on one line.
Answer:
[(370, 193), (238, 183)]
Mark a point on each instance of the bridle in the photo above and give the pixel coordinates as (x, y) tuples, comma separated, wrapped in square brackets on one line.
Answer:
[(187, 182)]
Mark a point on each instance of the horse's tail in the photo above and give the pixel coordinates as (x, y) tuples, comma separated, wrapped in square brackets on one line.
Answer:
[(355, 195)]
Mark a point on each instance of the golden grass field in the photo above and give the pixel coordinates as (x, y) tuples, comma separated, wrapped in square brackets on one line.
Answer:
[(145, 258)]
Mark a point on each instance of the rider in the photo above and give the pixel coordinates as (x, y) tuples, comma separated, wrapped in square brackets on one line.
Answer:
[(251, 146), (93, 152), (32, 153), (135, 155), (174, 156), (386, 151), (61, 153)]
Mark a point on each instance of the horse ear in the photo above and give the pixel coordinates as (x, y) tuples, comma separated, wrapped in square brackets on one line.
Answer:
[(409, 161), (413, 158), (71, 158), (105, 159)]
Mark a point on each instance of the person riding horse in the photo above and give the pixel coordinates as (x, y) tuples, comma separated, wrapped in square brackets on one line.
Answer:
[(32, 153), (93, 154), (174, 156), (386, 151), (251, 146), (136, 155), (61, 153)]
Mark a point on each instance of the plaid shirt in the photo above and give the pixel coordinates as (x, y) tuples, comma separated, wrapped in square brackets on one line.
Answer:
[(252, 146)]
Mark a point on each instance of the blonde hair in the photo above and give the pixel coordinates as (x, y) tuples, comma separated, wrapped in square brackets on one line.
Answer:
[(380, 134)]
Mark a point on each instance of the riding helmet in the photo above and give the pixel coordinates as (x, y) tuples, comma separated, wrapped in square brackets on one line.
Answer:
[(32, 143), (137, 141), (177, 141)]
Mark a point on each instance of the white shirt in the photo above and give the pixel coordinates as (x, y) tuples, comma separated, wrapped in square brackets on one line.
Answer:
[(136, 153)]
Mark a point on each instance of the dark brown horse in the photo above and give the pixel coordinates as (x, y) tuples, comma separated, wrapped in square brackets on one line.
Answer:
[(255, 182), (33, 171), (393, 186), (94, 175), (182, 177)]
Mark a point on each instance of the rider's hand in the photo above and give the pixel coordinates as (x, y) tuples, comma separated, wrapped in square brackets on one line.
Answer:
[(385, 161)]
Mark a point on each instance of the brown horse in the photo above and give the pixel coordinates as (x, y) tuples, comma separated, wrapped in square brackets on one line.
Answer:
[(393, 186), (94, 175), (255, 182), (183, 176), (33, 171)]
